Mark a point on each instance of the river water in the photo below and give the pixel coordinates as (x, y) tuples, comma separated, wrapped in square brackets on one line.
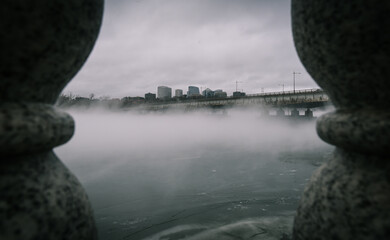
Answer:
[(192, 176)]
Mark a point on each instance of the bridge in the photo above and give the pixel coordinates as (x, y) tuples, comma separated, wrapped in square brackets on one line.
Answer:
[(306, 98)]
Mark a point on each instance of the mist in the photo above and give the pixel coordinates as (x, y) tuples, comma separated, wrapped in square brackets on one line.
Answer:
[(155, 175)]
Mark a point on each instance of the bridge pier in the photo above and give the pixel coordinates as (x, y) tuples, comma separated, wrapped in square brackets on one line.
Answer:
[(294, 113), (345, 48), (280, 113), (309, 113)]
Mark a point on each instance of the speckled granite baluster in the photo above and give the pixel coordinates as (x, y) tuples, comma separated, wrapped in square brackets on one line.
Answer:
[(42, 46), (345, 46)]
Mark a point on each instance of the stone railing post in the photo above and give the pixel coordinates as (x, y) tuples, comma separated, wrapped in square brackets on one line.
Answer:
[(345, 46), (43, 44)]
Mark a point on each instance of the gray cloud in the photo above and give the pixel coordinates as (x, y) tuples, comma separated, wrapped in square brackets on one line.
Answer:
[(208, 43)]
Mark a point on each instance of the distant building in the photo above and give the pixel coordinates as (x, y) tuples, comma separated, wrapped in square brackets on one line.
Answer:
[(150, 97), (164, 93), (208, 93), (220, 94), (129, 101), (238, 94), (138, 99), (178, 93), (193, 91)]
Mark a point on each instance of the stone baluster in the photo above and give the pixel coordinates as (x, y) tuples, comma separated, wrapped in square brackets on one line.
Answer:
[(43, 44), (345, 46)]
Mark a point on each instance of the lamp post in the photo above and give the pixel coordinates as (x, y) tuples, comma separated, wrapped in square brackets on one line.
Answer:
[(283, 91), (282, 86), (294, 73), (237, 82)]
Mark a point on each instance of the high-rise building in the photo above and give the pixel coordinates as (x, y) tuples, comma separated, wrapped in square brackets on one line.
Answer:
[(149, 97), (238, 94), (164, 93), (178, 93), (220, 94), (193, 91), (208, 93)]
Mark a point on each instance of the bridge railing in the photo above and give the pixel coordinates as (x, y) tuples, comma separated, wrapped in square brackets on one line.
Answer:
[(311, 90), (230, 98)]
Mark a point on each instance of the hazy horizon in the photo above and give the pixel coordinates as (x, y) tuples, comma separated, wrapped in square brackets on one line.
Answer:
[(208, 43)]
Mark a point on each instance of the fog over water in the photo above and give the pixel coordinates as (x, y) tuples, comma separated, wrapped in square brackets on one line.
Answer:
[(192, 176)]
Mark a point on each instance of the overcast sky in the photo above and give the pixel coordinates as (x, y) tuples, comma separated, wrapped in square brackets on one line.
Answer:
[(206, 43)]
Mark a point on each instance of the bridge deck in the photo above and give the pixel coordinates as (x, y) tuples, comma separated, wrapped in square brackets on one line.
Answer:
[(308, 98)]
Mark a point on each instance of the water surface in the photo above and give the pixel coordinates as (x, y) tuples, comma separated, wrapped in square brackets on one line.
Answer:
[(192, 176)]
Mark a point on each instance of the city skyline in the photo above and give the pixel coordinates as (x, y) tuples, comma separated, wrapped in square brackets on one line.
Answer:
[(207, 43), (182, 93)]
